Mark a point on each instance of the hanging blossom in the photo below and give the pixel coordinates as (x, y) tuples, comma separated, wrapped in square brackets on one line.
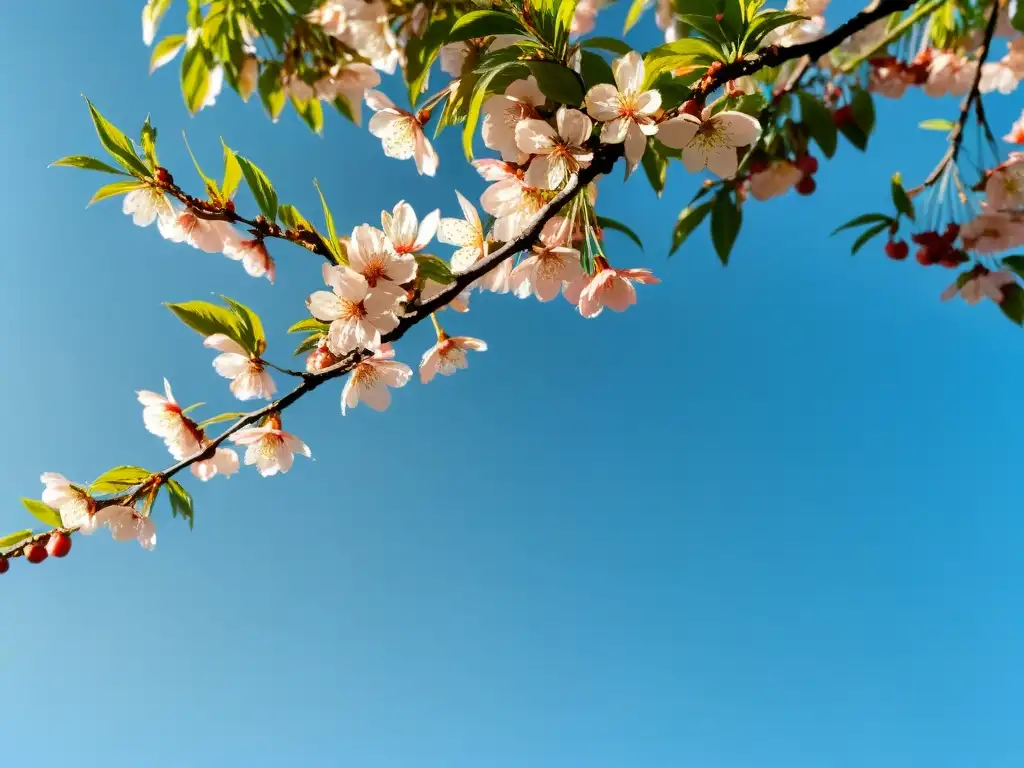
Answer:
[(949, 73), (209, 236), (147, 205), (664, 19), (348, 82), (607, 287), (710, 141), (125, 523), (448, 355), (253, 254), (584, 18), (1005, 74), (558, 152), (550, 265), (249, 379), (1004, 189), (358, 316), (73, 504), (269, 447), (511, 201), (626, 111), (372, 256), (502, 113), (991, 232), (980, 285), (889, 78), (1016, 134), (370, 380), (777, 179), (363, 26), (406, 233), (401, 133)]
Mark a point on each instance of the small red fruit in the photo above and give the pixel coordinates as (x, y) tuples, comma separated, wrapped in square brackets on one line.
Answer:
[(759, 166), (164, 176), (4, 565), (897, 250), (719, 17), (843, 115), (808, 164), (35, 553), (230, 205), (806, 186), (692, 107), (59, 545), (924, 257)]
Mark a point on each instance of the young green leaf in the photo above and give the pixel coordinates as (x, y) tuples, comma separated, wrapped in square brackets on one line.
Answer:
[(636, 10), (618, 47), (147, 137), (1013, 303), (271, 91), (87, 163), (13, 539), (863, 107), (420, 53), (220, 418), (333, 244), (253, 337), (1015, 264), (309, 344), (309, 324), (195, 78), (117, 188), (117, 144), (45, 514), (764, 23), (937, 124), (606, 223), (119, 479), (165, 51), (291, 218), (232, 173), (211, 186), (900, 199), (262, 190), (688, 221), (432, 268), (868, 234), (152, 13), (181, 502), (726, 220), (557, 82), (866, 218), (688, 53), (817, 117), (594, 70), (311, 112), (207, 319), (485, 23)]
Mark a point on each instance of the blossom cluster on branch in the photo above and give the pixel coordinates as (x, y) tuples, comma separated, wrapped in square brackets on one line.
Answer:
[(751, 99)]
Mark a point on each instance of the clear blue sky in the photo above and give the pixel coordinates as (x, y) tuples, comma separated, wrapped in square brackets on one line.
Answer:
[(768, 518)]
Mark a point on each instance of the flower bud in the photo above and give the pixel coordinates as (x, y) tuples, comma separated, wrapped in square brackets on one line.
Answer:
[(320, 358)]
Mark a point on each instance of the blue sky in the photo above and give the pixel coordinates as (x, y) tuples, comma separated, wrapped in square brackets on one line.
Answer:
[(765, 519)]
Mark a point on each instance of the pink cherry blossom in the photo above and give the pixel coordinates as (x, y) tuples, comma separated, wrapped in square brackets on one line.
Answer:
[(384, 267), (664, 18), (512, 202), (125, 524), (296, 86), (559, 152), (991, 232), (348, 82), (448, 355), (889, 78), (467, 233), (253, 254), (370, 380), (982, 284), (776, 180), (584, 18), (270, 448), (949, 73), (550, 265), (431, 290), (147, 205), (207, 235), (607, 287), (710, 141), (162, 415), (401, 133), (626, 110), (358, 316), (223, 462), (1016, 134), (249, 379), (503, 113), (72, 502), (405, 233), (1004, 189)]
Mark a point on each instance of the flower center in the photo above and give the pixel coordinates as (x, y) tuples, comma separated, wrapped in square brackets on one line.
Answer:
[(269, 444), (376, 267), (366, 374), (352, 310)]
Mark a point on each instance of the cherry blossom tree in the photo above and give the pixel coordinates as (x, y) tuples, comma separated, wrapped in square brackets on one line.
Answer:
[(741, 101)]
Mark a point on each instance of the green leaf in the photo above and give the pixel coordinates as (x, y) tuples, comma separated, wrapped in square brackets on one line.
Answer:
[(86, 162), (594, 70), (309, 344), (207, 319), (430, 268), (45, 514), (165, 51), (1017, 20), (420, 53), (271, 91), (863, 111), (900, 199), (291, 217), (222, 417), (195, 78), (13, 539), (333, 244), (253, 337), (867, 235), (866, 218), (616, 46), (1015, 264), (937, 124), (706, 25), (119, 479), (606, 223), (117, 188), (688, 221), (147, 137), (192, 407), (557, 82), (152, 13), (1013, 303), (764, 23), (636, 10), (309, 324), (655, 163), (311, 112), (855, 135), (181, 502), (261, 188), (211, 186), (485, 24), (726, 220), (688, 53), (817, 117), (232, 173), (117, 144)]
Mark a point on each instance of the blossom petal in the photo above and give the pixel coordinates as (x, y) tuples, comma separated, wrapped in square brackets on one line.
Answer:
[(678, 132)]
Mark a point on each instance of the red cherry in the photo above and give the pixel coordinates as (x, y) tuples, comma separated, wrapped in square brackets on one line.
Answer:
[(808, 164), (59, 545), (35, 553), (843, 115), (924, 257), (952, 230), (719, 17), (230, 205), (897, 250), (806, 186), (759, 166), (692, 107), (4, 565)]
